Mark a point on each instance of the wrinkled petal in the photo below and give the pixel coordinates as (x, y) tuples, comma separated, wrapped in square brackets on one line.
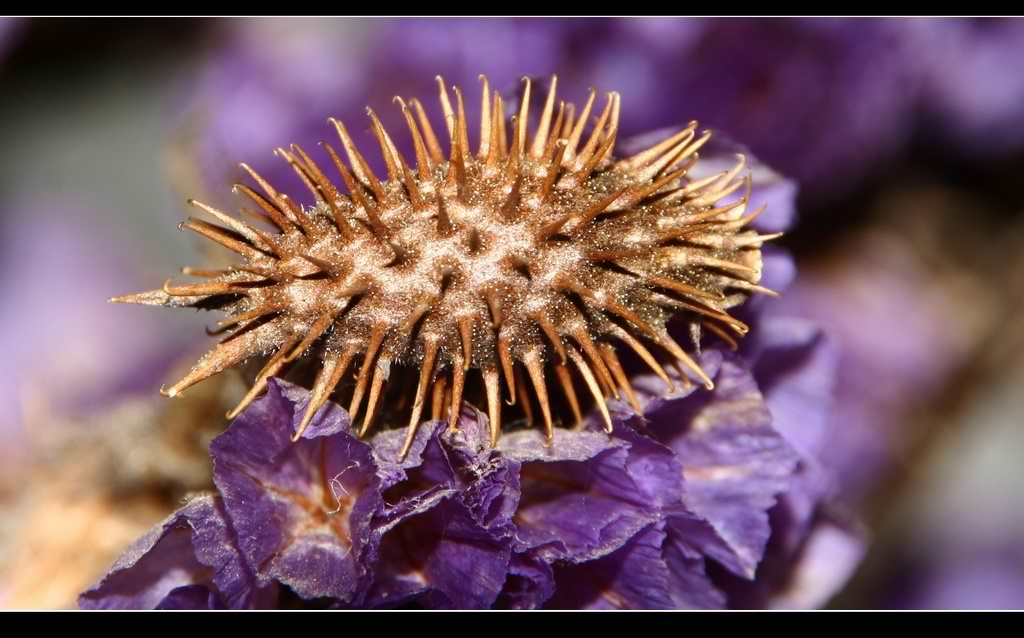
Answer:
[(216, 546), (806, 578), (530, 583), (302, 510), (654, 467), (417, 483), (158, 563), (689, 584), (632, 577), (193, 549), (387, 444), (579, 500), (490, 481), (443, 557), (447, 530), (735, 463), (796, 368), (191, 597)]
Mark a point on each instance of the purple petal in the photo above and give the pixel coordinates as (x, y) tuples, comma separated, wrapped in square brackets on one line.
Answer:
[(796, 367), (528, 446), (779, 272), (579, 500), (529, 584), (632, 577), (806, 578), (653, 394), (216, 546), (447, 529), (493, 497), (387, 444), (830, 556), (443, 558), (488, 481), (191, 597), (735, 462), (192, 549), (654, 468), (302, 510), (689, 584), (156, 564), (421, 481)]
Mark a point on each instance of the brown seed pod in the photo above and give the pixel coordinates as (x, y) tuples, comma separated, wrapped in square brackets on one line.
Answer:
[(537, 252)]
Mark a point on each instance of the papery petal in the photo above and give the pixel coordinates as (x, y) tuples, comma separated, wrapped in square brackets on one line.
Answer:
[(447, 528), (302, 510), (443, 558), (488, 478), (806, 578), (735, 463), (796, 367), (689, 584), (425, 454), (529, 584), (417, 483), (655, 468), (635, 576), (578, 499), (155, 565), (193, 549), (191, 597)]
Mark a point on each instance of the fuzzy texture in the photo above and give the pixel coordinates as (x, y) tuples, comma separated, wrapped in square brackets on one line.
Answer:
[(535, 253)]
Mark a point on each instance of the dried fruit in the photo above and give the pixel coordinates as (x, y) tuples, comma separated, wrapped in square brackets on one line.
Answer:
[(538, 251)]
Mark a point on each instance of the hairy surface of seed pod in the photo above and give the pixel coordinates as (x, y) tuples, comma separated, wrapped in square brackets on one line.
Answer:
[(525, 260)]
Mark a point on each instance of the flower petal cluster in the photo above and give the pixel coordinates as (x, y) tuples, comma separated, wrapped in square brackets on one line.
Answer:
[(628, 520)]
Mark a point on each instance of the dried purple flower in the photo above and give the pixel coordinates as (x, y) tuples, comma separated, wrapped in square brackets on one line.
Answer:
[(630, 520)]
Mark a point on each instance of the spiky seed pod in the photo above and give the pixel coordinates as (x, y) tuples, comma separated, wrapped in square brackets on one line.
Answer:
[(539, 251)]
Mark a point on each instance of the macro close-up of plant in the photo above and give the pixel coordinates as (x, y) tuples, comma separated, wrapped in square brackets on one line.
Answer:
[(513, 314)]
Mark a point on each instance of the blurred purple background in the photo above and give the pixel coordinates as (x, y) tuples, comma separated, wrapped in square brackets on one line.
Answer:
[(905, 136)]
